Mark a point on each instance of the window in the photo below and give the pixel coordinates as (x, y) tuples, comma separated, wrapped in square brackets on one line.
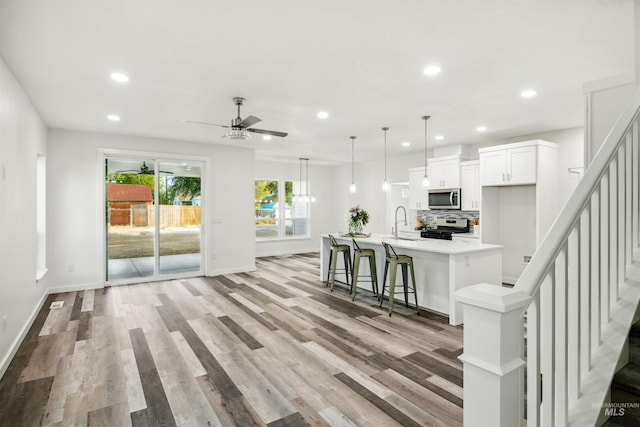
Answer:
[(281, 210)]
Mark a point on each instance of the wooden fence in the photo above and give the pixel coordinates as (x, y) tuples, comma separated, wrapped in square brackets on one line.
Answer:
[(170, 216), (175, 216)]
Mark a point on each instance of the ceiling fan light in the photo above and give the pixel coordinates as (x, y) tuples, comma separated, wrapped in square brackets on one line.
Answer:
[(236, 134)]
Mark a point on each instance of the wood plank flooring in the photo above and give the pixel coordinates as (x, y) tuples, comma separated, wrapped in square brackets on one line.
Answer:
[(269, 348)]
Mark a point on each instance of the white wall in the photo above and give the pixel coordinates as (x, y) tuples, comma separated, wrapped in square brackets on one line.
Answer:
[(322, 211), (368, 178), (570, 151), (22, 139), (75, 211), (636, 11), (606, 100)]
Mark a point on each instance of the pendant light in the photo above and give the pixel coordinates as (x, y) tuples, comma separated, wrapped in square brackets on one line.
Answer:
[(352, 187), (385, 184), (425, 180)]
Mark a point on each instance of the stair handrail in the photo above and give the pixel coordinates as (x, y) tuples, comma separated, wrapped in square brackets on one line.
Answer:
[(534, 273)]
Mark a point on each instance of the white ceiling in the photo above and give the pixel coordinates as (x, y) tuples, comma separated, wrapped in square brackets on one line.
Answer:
[(361, 61)]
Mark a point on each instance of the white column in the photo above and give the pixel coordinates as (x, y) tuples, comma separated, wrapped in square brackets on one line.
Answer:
[(493, 363)]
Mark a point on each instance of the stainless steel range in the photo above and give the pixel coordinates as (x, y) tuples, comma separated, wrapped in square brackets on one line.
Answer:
[(445, 227)]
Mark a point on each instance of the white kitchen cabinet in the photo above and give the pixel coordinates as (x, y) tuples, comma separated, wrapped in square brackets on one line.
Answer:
[(518, 210), (470, 185), (418, 194), (444, 172), (510, 164)]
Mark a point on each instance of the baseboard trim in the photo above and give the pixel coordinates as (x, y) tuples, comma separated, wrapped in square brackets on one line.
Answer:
[(286, 252), (222, 271), (13, 349), (75, 288)]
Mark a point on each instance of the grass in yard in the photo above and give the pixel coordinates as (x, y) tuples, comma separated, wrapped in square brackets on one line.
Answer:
[(136, 242)]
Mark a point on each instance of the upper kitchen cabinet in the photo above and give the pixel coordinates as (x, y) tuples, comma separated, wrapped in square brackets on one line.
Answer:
[(418, 193), (514, 164), (444, 172), (470, 185), (520, 200)]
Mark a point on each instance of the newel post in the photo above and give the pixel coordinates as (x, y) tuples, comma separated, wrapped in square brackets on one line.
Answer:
[(492, 358)]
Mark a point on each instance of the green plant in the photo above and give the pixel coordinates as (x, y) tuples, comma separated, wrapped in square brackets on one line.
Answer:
[(357, 214)]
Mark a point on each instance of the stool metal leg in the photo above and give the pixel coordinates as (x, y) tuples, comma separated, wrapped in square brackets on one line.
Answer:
[(384, 282), (334, 261), (392, 284), (405, 284), (413, 280), (329, 269), (347, 262), (354, 274), (374, 274)]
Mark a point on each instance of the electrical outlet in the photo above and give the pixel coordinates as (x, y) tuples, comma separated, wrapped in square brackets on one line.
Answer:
[(5, 318), (526, 259), (71, 268)]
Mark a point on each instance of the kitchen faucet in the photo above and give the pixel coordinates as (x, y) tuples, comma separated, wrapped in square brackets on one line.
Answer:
[(395, 229)]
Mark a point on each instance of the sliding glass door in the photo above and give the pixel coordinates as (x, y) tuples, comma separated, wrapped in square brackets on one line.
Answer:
[(179, 218), (153, 218)]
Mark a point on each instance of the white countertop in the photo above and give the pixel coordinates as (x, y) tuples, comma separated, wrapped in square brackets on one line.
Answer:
[(448, 247)]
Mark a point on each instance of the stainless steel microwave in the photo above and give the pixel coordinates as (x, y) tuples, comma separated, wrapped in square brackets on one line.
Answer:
[(444, 199)]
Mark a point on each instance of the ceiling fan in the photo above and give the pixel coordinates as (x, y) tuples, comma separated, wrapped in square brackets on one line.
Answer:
[(240, 128), (144, 170)]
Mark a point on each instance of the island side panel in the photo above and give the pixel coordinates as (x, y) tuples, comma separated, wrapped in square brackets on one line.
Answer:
[(432, 280), (471, 269)]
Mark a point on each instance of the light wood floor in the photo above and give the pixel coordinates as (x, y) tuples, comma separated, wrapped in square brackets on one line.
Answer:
[(272, 347)]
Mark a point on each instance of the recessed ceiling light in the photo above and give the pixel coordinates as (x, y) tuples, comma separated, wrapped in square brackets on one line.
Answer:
[(119, 77), (113, 118), (432, 70), (481, 128), (323, 115), (529, 93), (406, 144), (267, 137), (439, 137)]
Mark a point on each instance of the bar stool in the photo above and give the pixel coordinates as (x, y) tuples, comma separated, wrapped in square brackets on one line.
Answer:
[(333, 258), (394, 260), (370, 254)]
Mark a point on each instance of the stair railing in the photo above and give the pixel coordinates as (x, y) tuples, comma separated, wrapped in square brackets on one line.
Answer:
[(578, 302)]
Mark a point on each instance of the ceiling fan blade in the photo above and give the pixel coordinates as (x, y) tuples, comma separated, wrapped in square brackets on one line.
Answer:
[(268, 132), (248, 121), (204, 123), (128, 172)]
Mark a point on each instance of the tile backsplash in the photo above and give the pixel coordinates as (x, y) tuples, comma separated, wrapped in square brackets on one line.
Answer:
[(429, 217)]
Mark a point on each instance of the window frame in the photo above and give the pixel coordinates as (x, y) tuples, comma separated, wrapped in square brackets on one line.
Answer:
[(282, 219)]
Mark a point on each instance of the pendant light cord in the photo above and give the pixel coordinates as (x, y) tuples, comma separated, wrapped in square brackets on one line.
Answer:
[(353, 139), (300, 178), (385, 129), (425, 118)]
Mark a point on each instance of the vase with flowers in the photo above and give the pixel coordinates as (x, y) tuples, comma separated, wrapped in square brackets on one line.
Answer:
[(358, 218)]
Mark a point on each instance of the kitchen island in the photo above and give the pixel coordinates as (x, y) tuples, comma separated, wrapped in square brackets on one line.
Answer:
[(441, 267)]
